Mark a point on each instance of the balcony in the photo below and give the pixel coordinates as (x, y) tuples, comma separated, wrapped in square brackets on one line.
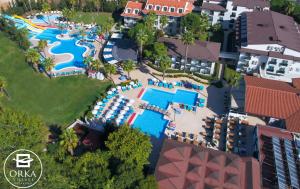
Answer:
[(270, 69), (284, 63), (280, 71), (273, 62)]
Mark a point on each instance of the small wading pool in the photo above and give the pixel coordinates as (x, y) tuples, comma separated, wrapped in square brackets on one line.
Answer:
[(153, 123)]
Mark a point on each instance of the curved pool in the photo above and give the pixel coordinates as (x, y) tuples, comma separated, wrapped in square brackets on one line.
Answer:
[(64, 46)]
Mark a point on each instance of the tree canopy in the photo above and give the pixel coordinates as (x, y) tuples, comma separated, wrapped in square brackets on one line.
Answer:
[(197, 24)]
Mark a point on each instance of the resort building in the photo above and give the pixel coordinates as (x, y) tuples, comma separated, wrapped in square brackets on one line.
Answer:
[(279, 158), (214, 9), (269, 45), (201, 57), (173, 9), (234, 8), (132, 13), (183, 165), (269, 102)]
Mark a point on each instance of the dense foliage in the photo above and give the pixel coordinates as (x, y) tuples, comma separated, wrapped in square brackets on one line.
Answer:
[(232, 77), (119, 165), (17, 35), (287, 7)]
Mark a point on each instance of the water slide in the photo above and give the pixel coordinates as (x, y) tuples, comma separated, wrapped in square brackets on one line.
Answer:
[(20, 23), (29, 22)]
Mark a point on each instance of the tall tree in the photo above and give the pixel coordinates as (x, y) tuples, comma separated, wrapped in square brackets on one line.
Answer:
[(42, 44), (33, 57), (290, 7), (48, 64), (130, 146), (88, 60), (188, 39), (196, 24), (141, 38), (110, 69), (96, 64), (164, 21), (69, 140), (150, 19), (165, 63), (128, 66), (46, 8)]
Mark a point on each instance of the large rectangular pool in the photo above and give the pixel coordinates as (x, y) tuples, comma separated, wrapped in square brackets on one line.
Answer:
[(153, 123)]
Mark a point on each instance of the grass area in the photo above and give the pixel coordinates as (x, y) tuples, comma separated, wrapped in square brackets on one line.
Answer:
[(57, 101), (92, 17)]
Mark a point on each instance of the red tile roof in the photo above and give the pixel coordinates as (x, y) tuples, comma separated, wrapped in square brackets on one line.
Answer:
[(133, 5), (182, 166), (273, 99), (296, 82), (251, 4)]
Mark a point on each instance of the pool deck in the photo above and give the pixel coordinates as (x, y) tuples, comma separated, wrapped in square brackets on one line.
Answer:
[(187, 121)]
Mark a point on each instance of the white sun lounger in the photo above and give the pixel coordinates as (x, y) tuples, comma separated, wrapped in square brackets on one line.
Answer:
[(107, 49), (107, 56)]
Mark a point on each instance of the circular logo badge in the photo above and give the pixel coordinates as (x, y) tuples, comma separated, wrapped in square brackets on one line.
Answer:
[(22, 168)]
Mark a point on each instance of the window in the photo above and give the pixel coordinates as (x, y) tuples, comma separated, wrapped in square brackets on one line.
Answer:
[(234, 8), (150, 6), (165, 8), (157, 8), (128, 10), (172, 9), (136, 11), (180, 10)]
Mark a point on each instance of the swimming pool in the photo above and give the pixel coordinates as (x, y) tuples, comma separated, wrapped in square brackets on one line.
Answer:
[(43, 19), (65, 46), (153, 123)]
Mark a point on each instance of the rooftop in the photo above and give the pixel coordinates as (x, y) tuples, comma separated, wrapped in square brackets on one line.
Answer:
[(273, 99), (277, 159), (251, 4), (213, 7), (184, 165), (268, 27), (199, 50), (130, 8)]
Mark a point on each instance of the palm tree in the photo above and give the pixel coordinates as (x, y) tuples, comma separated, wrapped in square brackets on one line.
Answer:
[(72, 2), (164, 21), (150, 19), (290, 7), (96, 64), (165, 63), (3, 85), (87, 60), (48, 64), (110, 69), (33, 57), (82, 33), (187, 39), (141, 38), (128, 66), (46, 8), (69, 140), (42, 44)]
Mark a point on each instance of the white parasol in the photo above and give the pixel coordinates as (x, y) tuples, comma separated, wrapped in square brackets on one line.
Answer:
[(126, 108), (131, 83), (99, 103), (109, 92), (113, 89), (120, 116), (96, 107), (94, 112), (122, 112)]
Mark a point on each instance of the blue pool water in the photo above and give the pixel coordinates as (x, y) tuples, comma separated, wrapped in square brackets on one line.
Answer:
[(153, 123), (44, 19), (65, 46)]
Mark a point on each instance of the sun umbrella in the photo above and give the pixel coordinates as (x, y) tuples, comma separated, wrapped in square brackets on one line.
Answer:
[(99, 103), (119, 100), (118, 120), (120, 116), (131, 83), (121, 96), (110, 112), (123, 112), (154, 79), (129, 104), (174, 83), (131, 100), (126, 108), (164, 81), (109, 92), (113, 89), (117, 104), (118, 87), (96, 107), (107, 116), (114, 108), (94, 112)]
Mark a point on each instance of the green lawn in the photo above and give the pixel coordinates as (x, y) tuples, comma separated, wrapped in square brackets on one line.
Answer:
[(92, 17), (57, 101)]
